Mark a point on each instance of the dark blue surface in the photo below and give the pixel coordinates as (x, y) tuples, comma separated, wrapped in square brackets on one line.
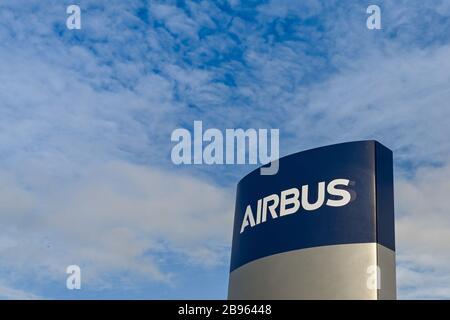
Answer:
[(355, 222), (385, 196)]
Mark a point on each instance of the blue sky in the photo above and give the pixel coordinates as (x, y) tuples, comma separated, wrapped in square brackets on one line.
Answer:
[(86, 117)]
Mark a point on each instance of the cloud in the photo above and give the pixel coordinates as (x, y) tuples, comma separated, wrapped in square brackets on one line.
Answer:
[(118, 218), (286, 8), (423, 234), (9, 293), (382, 97), (175, 19)]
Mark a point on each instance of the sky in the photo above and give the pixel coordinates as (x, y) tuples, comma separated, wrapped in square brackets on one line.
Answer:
[(86, 117)]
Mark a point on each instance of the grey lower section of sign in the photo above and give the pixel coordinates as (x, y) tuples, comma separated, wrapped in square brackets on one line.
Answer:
[(346, 271)]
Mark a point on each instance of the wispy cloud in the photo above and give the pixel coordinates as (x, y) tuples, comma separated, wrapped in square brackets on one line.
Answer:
[(423, 233), (9, 293), (114, 218)]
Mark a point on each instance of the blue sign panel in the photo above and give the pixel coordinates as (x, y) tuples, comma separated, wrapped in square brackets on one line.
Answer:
[(338, 194)]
